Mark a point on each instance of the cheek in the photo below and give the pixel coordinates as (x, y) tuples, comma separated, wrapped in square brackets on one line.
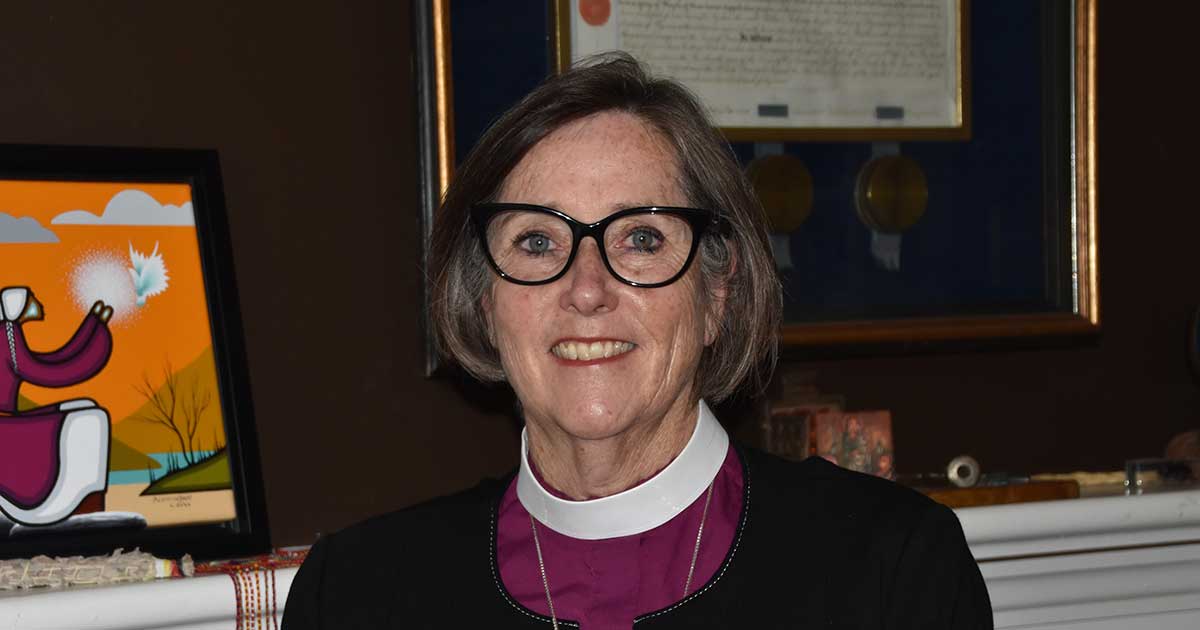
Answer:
[(682, 319), (513, 319)]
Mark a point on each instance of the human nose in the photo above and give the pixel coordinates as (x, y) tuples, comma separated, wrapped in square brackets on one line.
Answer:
[(589, 287)]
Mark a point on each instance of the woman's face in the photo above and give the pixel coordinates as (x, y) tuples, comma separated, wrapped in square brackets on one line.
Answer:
[(590, 169)]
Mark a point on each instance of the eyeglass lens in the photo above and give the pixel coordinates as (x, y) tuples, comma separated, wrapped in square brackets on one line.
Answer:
[(645, 248)]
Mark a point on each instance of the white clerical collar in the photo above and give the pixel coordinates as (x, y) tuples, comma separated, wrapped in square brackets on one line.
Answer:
[(640, 508)]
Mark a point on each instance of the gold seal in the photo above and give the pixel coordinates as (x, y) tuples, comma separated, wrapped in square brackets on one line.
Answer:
[(785, 188), (891, 195)]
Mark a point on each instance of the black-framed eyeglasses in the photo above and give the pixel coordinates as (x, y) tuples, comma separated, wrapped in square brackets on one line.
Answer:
[(643, 247)]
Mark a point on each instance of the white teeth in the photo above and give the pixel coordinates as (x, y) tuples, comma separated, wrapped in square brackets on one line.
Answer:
[(575, 351)]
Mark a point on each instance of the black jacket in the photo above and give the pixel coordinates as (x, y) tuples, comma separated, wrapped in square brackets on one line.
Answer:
[(817, 547)]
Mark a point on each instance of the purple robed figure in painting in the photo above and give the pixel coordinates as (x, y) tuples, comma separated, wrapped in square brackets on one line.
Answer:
[(54, 456)]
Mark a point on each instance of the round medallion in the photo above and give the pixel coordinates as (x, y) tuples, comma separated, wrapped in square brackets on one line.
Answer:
[(785, 188), (891, 194)]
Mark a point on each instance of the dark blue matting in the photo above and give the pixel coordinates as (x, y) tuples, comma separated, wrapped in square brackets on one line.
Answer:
[(982, 246)]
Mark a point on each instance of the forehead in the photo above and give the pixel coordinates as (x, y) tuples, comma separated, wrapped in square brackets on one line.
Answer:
[(595, 165)]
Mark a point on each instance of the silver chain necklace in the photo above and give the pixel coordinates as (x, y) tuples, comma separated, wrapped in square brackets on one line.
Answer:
[(687, 586)]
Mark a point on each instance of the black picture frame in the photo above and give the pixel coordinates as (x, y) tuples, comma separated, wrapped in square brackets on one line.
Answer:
[(247, 533)]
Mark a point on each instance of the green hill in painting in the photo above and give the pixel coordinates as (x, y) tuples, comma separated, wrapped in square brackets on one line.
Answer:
[(210, 474), (121, 456), (199, 375)]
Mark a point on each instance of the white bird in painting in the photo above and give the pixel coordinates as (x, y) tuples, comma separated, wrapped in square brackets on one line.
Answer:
[(149, 274)]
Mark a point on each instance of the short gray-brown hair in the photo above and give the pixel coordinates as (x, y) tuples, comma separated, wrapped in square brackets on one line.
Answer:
[(745, 350)]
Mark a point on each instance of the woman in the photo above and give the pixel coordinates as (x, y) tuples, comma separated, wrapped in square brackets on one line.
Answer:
[(600, 251)]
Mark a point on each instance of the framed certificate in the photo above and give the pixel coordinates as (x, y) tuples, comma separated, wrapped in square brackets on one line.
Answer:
[(1002, 244), (782, 70)]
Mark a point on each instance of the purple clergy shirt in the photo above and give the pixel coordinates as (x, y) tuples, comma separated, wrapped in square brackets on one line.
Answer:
[(605, 584)]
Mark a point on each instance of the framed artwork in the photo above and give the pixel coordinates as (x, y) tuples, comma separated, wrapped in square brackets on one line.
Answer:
[(984, 230), (1001, 240), (125, 410), (799, 70)]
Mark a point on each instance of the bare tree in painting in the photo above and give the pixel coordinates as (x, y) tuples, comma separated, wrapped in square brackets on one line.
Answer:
[(169, 408), (196, 404)]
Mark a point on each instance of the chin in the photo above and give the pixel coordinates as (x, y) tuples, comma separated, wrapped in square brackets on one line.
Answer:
[(599, 401), (595, 420)]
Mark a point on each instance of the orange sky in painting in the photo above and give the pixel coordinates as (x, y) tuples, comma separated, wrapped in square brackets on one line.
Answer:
[(172, 326)]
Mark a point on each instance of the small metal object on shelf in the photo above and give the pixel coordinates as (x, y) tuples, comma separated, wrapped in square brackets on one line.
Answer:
[(963, 471), (1156, 474)]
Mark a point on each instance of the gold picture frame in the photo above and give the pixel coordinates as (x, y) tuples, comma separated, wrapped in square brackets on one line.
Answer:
[(1079, 315), (958, 127), (1083, 316), (435, 134)]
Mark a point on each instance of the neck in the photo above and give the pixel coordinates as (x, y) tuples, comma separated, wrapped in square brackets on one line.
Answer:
[(583, 468)]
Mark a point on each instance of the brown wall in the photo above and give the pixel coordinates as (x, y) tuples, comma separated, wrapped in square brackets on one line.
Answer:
[(312, 115)]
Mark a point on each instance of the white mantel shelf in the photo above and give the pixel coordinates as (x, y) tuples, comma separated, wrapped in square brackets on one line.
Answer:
[(198, 603), (1055, 527), (1123, 562), (1107, 563)]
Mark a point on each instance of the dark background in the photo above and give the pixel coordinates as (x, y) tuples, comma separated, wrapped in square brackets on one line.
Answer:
[(313, 115)]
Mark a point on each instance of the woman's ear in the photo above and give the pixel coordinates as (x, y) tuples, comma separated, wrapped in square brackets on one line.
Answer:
[(715, 315), (717, 294)]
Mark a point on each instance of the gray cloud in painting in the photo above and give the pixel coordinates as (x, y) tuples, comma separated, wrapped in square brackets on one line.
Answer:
[(131, 207), (24, 230)]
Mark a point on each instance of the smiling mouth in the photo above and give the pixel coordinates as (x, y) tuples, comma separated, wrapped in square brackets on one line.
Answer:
[(585, 351)]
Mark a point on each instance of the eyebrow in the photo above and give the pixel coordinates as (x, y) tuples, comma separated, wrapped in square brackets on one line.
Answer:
[(614, 207), (617, 207)]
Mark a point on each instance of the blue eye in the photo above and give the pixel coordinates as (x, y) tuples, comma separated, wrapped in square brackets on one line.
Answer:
[(645, 240), (534, 243)]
